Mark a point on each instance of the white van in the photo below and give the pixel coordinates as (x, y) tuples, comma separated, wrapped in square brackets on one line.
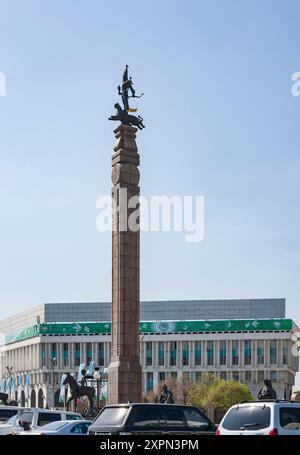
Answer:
[(265, 417), (36, 418)]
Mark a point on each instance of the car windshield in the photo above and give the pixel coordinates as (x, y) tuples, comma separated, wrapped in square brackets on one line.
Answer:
[(12, 420), (55, 425), (111, 417), (250, 418)]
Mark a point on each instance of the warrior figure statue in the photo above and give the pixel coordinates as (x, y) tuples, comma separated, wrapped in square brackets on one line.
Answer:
[(126, 91), (124, 88)]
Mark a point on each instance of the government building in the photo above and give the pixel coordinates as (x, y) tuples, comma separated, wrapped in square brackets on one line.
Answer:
[(241, 340)]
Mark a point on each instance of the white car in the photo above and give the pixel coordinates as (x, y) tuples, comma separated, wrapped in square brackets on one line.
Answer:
[(36, 418), (61, 428), (268, 417)]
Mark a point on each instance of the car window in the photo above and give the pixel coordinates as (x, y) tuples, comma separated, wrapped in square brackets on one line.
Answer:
[(171, 417), (73, 417), (80, 428), (26, 416), (111, 416), (247, 418), (47, 417), (194, 418), (290, 418), (146, 416), (5, 414)]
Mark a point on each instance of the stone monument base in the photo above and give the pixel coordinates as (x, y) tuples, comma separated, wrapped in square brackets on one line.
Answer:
[(125, 382)]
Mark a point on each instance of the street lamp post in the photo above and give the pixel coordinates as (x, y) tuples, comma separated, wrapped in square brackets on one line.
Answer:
[(53, 363), (97, 377), (9, 371)]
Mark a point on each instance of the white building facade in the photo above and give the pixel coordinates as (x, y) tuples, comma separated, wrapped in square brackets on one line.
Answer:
[(245, 350)]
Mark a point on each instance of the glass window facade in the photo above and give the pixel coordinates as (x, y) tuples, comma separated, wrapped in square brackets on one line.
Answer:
[(235, 376), (77, 354), (260, 377), (185, 353), (273, 352), (161, 353), (89, 353), (149, 354), (198, 376), (66, 354), (161, 376), (54, 353), (173, 353), (210, 353), (101, 354), (222, 352), (43, 354), (198, 353), (235, 352), (149, 381), (285, 352), (248, 376), (260, 352), (247, 352), (273, 376)]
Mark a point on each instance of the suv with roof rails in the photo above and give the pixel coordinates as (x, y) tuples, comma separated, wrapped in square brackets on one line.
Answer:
[(151, 418), (264, 417)]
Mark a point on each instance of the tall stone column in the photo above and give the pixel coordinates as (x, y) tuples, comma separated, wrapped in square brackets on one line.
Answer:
[(125, 372)]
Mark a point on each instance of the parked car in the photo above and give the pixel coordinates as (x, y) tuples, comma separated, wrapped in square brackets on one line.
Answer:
[(141, 418), (36, 418), (61, 428), (268, 417)]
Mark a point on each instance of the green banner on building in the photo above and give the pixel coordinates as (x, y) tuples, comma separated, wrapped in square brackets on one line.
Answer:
[(208, 326)]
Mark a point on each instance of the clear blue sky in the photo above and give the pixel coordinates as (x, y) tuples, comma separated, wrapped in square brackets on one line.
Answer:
[(221, 122)]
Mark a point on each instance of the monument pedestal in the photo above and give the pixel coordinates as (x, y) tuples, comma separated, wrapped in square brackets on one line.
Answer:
[(125, 372)]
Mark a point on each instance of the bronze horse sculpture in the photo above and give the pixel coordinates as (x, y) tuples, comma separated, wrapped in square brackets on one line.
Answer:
[(78, 391)]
